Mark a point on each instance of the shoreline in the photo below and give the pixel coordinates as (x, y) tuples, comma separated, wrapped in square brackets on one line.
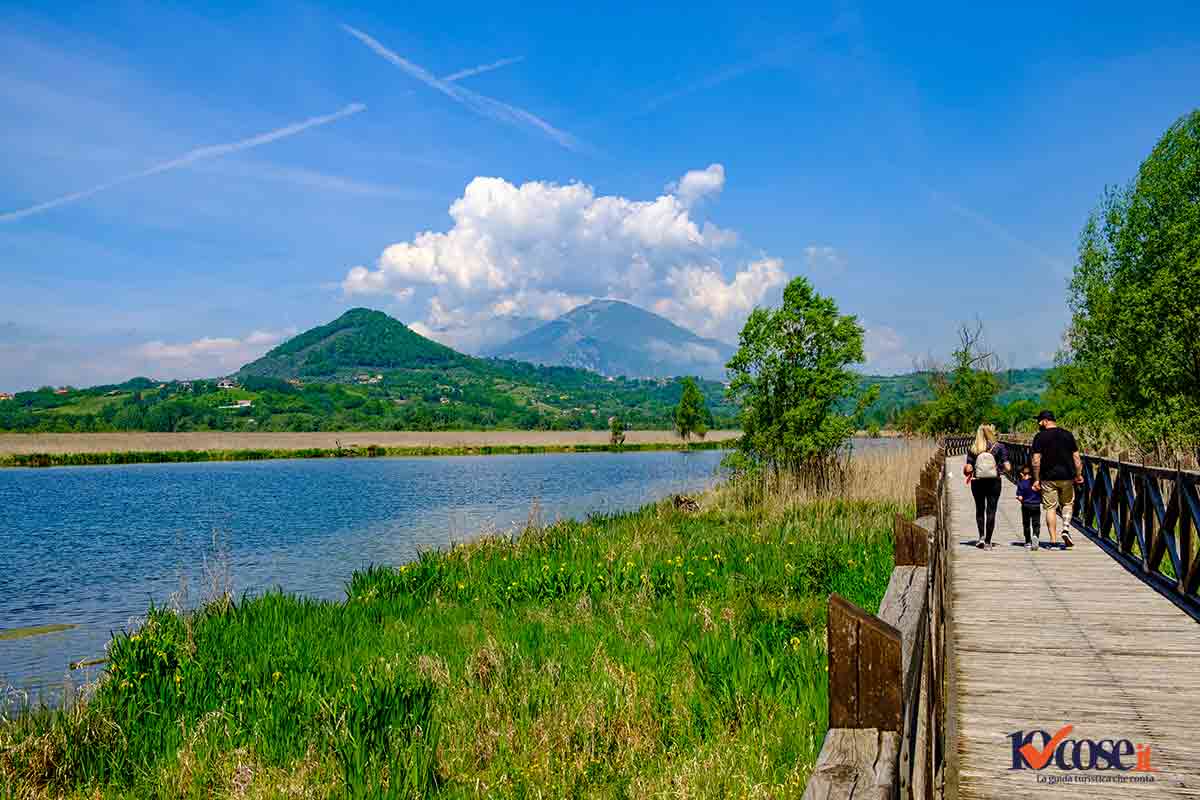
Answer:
[(62, 450)]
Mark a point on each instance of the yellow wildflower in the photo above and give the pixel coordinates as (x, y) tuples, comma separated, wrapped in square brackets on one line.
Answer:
[(276, 675)]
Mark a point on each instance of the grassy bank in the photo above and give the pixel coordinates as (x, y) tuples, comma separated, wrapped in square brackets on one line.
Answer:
[(16, 443), (656, 653), (367, 451)]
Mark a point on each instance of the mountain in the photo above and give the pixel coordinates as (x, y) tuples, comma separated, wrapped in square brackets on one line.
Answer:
[(357, 341), (616, 338)]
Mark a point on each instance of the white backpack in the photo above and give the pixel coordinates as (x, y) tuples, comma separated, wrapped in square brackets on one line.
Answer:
[(985, 465)]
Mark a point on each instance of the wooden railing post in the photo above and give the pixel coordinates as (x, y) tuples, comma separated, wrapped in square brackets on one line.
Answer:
[(911, 543), (865, 674), (887, 671)]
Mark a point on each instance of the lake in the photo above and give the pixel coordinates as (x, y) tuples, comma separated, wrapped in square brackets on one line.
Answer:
[(94, 546)]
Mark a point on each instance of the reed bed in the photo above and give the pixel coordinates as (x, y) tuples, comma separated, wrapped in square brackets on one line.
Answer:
[(658, 653), (368, 451), (886, 473), (66, 443)]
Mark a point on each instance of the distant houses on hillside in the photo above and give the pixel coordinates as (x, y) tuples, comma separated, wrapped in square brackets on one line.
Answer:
[(7, 396), (239, 404), (368, 379), (227, 383)]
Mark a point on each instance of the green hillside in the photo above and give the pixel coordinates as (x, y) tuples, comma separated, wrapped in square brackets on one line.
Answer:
[(898, 392), (368, 371), (360, 339), (365, 371)]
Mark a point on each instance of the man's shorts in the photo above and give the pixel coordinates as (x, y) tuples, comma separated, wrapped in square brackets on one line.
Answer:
[(1057, 493)]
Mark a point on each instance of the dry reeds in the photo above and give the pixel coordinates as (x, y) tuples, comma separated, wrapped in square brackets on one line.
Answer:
[(887, 473)]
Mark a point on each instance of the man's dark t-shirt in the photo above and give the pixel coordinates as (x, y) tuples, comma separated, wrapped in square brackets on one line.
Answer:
[(1057, 447)]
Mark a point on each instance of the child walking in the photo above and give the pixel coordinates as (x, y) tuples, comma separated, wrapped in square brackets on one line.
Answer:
[(1031, 508)]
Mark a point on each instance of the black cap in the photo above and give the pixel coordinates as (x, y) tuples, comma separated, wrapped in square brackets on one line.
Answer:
[(1047, 414)]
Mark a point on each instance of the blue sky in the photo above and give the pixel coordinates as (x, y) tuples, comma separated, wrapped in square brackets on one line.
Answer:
[(923, 166)]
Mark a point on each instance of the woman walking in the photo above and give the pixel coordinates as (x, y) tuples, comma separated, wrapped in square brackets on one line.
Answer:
[(986, 459)]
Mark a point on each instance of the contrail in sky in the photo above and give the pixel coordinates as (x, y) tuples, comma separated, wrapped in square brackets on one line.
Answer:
[(485, 106), (482, 68), (996, 228), (190, 157)]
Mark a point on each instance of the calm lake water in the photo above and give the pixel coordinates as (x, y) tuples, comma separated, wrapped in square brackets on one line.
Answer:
[(94, 546)]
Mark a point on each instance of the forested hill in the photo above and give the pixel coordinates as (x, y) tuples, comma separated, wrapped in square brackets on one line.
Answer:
[(368, 371), (360, 339), (899, 392), (365, 371)]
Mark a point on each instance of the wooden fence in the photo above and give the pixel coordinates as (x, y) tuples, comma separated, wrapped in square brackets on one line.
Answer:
[(888, 683), (1147, 518), (890, 691)]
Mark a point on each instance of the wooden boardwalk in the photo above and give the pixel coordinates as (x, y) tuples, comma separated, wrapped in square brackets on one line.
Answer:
[(1039, 640)]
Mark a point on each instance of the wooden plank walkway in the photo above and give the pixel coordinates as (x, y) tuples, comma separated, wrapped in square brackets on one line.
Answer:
[(1039, 640)]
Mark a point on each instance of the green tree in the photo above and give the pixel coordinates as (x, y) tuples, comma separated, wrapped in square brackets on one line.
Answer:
[(1135, 295), (692, 412), (791, 374), (965, 393), (1079, 398), (1019, 416), (616, 431)]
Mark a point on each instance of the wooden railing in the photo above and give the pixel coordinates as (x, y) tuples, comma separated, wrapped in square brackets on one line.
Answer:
[(1121, 507), (890, 688), (887, 671)]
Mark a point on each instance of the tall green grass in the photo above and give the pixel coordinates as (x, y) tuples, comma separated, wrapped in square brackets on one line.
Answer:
[(645, 654)]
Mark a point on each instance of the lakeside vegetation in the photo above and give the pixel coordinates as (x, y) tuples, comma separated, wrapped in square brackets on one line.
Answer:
[(631, 655), (676, 649), (351, 451)]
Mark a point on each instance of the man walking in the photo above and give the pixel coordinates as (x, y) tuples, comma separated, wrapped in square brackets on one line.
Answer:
[(1057, 468)]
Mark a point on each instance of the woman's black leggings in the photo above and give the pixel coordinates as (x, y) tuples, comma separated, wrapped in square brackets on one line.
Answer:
[(986, 492)]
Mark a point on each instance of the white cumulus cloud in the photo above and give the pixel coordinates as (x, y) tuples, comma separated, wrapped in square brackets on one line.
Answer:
[(208, 355), (702, 294), (698, 183), (538, 249)]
